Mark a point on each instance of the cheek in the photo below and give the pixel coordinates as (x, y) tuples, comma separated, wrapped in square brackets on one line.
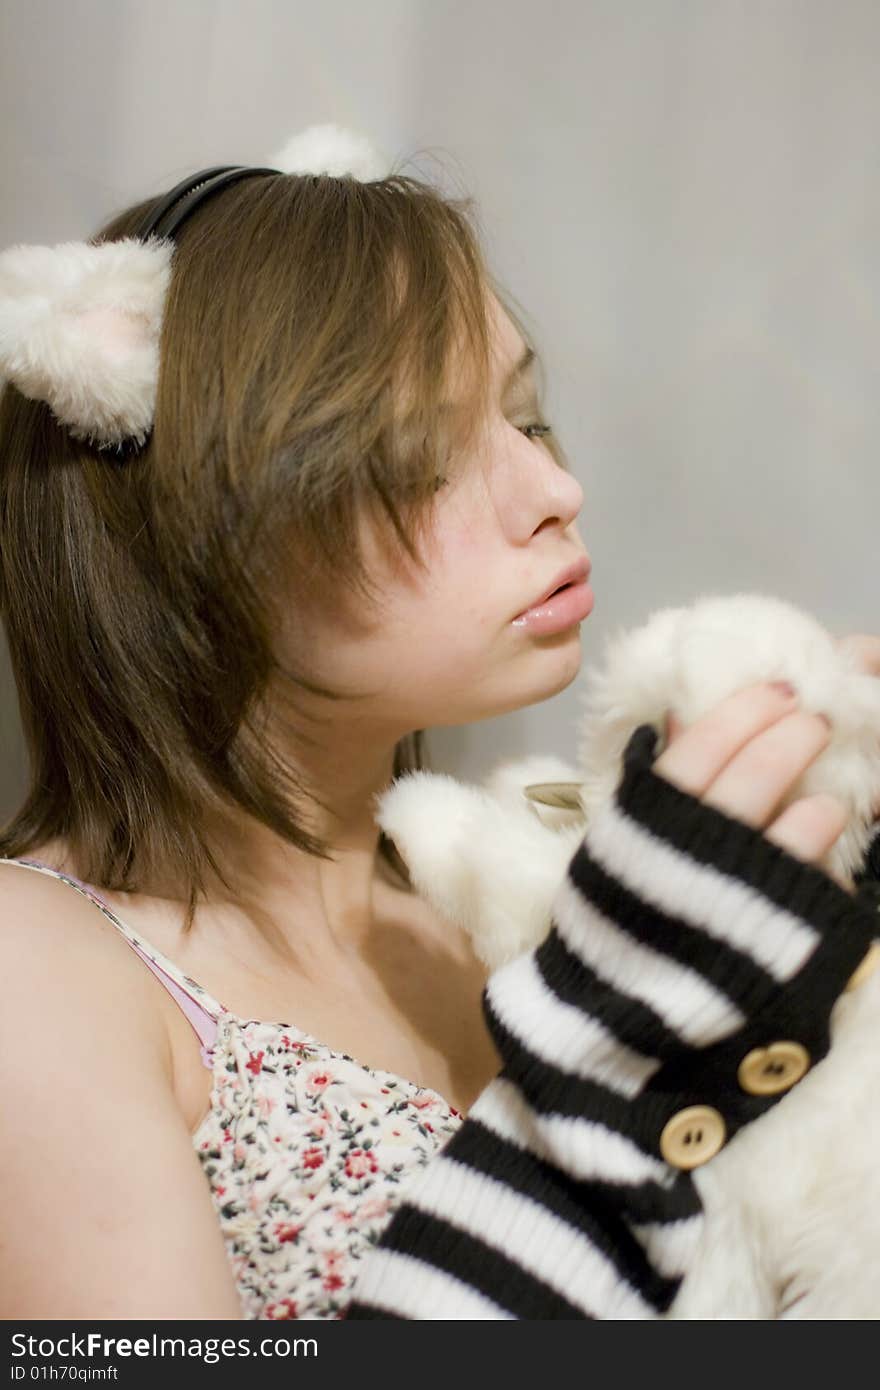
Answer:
[(462, 609), (436, 645), (465, 579), (438, 626), (447, 631)]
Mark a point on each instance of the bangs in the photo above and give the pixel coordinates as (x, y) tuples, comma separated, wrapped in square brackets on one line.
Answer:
[(423, 326)]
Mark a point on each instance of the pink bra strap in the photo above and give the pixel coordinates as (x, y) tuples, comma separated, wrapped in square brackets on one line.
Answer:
[(205, 1026)]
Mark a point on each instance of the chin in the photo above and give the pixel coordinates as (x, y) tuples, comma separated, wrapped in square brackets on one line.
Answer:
[(568, 671), (555, 662)]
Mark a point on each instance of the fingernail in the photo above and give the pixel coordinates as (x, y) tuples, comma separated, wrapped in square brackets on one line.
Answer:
[(785, 688)]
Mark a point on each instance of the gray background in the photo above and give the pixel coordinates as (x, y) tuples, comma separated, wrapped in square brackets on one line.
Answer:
[(684, 195)]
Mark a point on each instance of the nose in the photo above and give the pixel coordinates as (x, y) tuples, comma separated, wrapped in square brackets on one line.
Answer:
[(573, 493), (563, 496), (534, 492)]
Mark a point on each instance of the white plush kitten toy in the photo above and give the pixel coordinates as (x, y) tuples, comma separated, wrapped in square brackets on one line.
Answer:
[(792, 1203)]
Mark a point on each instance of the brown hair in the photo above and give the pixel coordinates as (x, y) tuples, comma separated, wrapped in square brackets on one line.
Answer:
[(137, 592)]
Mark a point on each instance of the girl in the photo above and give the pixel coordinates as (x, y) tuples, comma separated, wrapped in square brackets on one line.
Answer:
[(323, 527)]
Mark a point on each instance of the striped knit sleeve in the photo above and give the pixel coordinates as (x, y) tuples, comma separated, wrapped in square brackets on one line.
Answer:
[(681, 940)]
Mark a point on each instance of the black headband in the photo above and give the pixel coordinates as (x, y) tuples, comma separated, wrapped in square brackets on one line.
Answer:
[(164, 219), (167, 215)]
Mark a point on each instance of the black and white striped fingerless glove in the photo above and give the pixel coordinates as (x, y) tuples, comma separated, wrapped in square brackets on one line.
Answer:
[(686, 984)]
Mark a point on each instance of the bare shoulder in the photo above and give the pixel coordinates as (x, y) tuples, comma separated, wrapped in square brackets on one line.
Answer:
[(86, 1075), (66, 966)]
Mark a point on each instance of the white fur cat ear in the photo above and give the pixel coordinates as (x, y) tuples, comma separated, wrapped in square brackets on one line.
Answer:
[(80, 324), (331, 149), (79, 329)]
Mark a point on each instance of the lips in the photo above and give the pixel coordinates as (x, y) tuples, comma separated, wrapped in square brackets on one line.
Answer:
[(575, 573)]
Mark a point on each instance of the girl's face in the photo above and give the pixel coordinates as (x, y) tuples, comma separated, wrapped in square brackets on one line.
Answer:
[(443, 649)]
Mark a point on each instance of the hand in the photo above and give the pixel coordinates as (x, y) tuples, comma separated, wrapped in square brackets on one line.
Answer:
[(746, 754), (866, 650)]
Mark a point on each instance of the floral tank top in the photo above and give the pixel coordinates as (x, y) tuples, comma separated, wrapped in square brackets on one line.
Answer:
[(306, 1151)]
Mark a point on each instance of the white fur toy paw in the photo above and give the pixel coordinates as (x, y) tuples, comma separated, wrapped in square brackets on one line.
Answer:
[(688, 659), (486, 863)]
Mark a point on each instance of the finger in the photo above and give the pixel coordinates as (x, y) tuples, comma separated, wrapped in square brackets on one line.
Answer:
[(757, 778), (674, 727), (866, 650), (698, 754), (810, 827)]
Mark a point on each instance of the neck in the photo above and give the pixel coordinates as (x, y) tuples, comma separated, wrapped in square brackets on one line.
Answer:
[(279, 885)]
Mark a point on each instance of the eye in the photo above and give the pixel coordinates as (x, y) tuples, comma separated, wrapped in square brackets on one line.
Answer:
[(536, 429)]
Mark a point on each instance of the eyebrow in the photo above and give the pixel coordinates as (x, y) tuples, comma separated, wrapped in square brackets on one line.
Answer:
[(518, 369)]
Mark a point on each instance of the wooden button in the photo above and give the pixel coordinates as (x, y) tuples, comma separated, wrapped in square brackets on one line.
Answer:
[(692, 1136), (767, 1071), (868, 965)]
